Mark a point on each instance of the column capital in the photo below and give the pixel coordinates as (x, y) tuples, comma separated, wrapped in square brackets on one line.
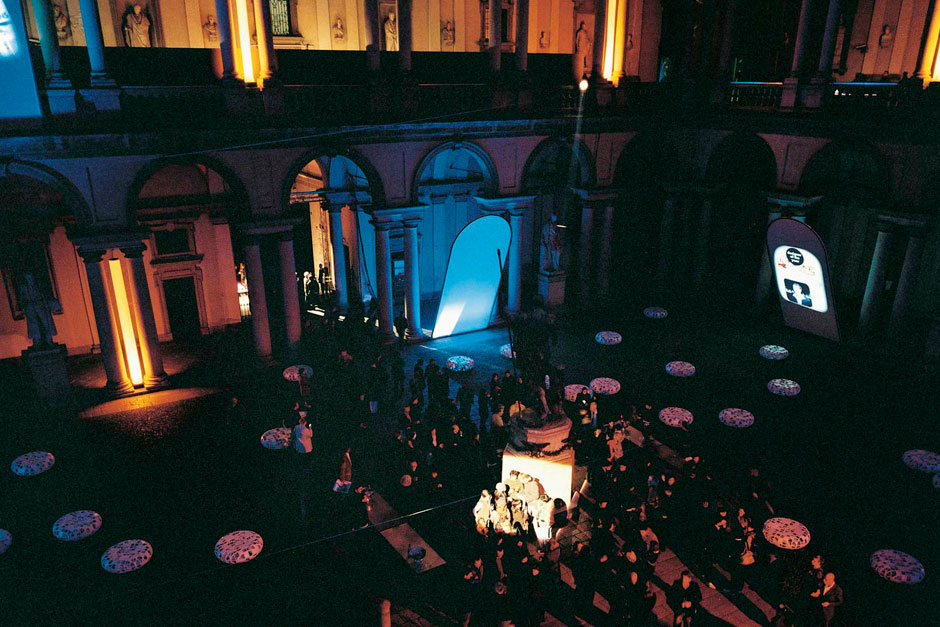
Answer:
[(93, 255), (597, 196), (504, 203), (133, 252), (410, 222), (916, 224), (382, 226), (95, 245)]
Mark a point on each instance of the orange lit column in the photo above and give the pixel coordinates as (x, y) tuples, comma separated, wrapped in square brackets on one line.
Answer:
[(154, 375), (412, 279), (257, 298), (263, 31), (928, 52), (118, 384), (223, 19), (383, 277), (289, 287), (600, 24)]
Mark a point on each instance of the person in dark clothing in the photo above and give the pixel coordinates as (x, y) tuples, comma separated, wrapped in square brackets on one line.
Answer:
[(686, 597)]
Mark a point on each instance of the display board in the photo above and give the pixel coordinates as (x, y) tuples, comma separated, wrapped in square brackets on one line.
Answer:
[(19, 98), (801, 276)]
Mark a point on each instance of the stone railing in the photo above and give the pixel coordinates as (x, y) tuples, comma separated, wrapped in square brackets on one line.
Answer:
[(846, 97), (754, 96)]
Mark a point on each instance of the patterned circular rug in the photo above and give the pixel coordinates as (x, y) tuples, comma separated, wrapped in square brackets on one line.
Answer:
[(6, 541), (924, 461), (276, 439), (680, 368), (608, 338), (783, 387), (30, 464), (126, 556), (655, 313), (77, 525), (774, 352), (936, 481), (605, 386), (897, 566), (675, 416), (459, 363), (786, 533), (574, 389), (295, 373), (506, 352), (238, 547), (735, 417)]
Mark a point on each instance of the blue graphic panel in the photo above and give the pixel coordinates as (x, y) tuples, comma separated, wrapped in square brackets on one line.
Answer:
[(472, 279), (19, 98)]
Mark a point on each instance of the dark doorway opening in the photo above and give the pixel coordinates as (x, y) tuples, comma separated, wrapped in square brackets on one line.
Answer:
[(182, 309)]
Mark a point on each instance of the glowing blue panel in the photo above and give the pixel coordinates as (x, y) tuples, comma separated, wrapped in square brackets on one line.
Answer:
[(19, 98), (472, 279)]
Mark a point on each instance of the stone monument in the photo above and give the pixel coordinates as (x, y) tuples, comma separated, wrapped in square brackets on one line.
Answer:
[(551, 274), (45, 359), (537, 447)]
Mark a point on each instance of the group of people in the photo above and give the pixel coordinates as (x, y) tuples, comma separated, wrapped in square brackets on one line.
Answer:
[(519, 506)]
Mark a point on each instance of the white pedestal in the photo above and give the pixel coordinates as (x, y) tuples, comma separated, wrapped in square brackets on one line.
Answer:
[(552, 287), (555, 473)]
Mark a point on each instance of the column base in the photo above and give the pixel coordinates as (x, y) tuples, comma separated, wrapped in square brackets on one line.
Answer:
[(102, 97), (814, 94), (119, 390), (48, 371), (61, 99), (415, 336), (552, 287), (156, 382), (790, 97)]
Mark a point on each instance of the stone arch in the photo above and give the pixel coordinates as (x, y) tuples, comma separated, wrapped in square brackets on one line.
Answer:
[(646, 160), (324, 156), (579, 157), (848, 170), (472, 162), (70, 197), (742, 159)]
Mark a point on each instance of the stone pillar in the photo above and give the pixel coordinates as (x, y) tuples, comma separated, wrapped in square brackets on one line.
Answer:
[(383, 277), (802, 32), (94, 42), (597, 50), (514, 262), (828, 50), (522, 35), (412, 279), (224, 20), (670, 207), (727, 34), (700, 261), (765, 275), (603, 260), (907, 283), (339, 256), (49, 44), (928, 52), (97, 270), (404, 35), (258, 299), (876, 279), (266, 54), (154, 375), (496, 36), (285, 248), (373, 35), (584, 252)]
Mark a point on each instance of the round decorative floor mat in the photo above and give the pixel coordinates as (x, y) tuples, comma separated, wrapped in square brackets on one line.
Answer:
[(655, 313), (675, 416), (6, 541), (680, 369), (574, 389), (238, 547), (736, 417), (924, 461), (77, 525), (506, 351), (459, 363), (783, 387), (897, 566), (786, 533), (276, 439), (608, 338), (774, 352), (31, 464), (605, 386), (126, 556), (295, 373)]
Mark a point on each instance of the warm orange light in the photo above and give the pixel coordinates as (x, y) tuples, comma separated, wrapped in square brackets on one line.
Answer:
[(244, 40), (126, 323), (615, 35)]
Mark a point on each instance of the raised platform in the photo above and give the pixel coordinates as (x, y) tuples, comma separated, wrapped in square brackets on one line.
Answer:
[(555, 472)]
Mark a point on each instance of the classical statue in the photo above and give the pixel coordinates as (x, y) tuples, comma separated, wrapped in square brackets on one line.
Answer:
[(447, 33), (391, 33), (551, 245), (339, 30), (38, 310), (211, 29), (544, 40), (136, 28), (582, 50), (62, 27), (886, 37)]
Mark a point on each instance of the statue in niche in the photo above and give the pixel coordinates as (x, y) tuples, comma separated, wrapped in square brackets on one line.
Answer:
[(136, 28), (544, 40), (447, 33), (339, 29), (629, 41), (582, 50), (391, 33), (886, 37), (38, 308), (211, 29), (62, 27), (551, 245)]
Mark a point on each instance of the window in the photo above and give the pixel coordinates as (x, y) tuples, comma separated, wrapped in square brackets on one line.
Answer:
[(280, 17)]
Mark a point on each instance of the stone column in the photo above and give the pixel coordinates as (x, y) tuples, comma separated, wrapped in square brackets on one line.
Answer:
[(928, 52), (597, 50), (154, 375), (875, 286), (907, 283), (412, 279), (383, 277), (373, 36), (670, 207), (285, 248), (49, 44), (496, 36), (258, 299), (94, 42), (522, 35), (802, 32), (266, 54), (727, 34), (97, 270), (514, 262), (339, 256), (765, 275), (224, 20), (584, 252), (828, 50), (404, 35), (603, 260), (700, 261)]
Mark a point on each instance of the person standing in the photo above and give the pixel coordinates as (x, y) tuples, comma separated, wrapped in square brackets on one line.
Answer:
[(829, 597), (303, 436), (688, 596), (344, 478)]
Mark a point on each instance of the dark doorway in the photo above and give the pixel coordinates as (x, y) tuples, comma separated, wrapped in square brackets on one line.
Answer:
[(181, 308)]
